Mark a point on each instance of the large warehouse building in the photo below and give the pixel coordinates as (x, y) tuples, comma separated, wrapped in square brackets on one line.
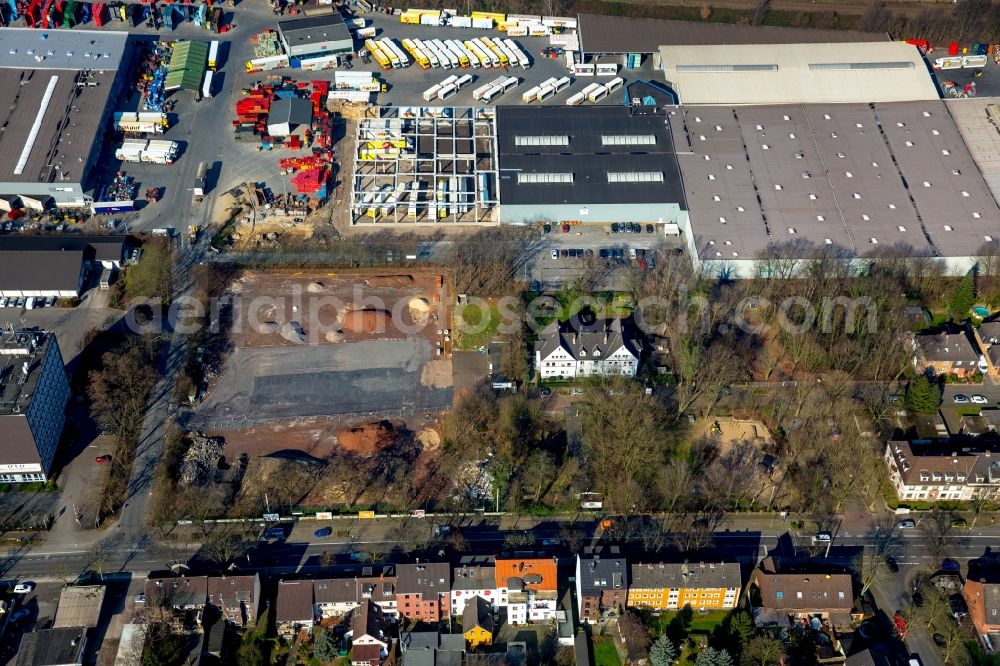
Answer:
[(44, 266), (797, 73), (316, 35), (870, 180), (589, 164), (618, 36), (60, 87)]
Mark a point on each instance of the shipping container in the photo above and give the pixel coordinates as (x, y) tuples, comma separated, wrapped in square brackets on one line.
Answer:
[(974, 61), (614, 84), (358, 23), (559, 22), (607, 69), (449, 80), (316, 64), (409, 17), (452, 195), (463, 81), (428, 19), (213, 54), (480, 92), (517, 31), (576, 100), (523, 18), (531, 95), (441, 197), (461, 22), (954, 62), (590, 88), (584, 69), (447, 91), (545, 92), (109, 207), (484, 189), (509, 83), (561, 84), (597, 94), (375, 210), (206, 87), (570, 60), (548, 83), (482, 23), (491, 94), (537, 30), (416, 189), (494, 16), (367, 33), (432, 92)]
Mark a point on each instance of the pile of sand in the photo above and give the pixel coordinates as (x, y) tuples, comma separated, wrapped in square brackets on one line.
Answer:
[(367, 439), (334, 336), (420, 310), (429, 439), (367, 321), (315, 288), (292, 331)]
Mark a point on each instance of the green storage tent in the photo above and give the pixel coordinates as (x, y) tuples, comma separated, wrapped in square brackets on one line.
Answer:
[(187, 66)]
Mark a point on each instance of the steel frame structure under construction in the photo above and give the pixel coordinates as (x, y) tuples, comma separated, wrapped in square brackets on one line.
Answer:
[(424, 166)]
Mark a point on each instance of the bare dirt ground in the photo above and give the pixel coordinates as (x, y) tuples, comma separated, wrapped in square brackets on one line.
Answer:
[(317, 351)]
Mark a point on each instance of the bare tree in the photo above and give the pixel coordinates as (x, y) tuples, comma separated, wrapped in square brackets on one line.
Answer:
[(935, 526)]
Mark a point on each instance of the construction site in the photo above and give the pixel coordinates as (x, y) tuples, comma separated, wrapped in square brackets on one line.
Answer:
[(325, 344), (422, 166)]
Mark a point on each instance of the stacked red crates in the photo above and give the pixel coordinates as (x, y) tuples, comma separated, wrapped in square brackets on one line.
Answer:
[(100, 14), (311, 181)]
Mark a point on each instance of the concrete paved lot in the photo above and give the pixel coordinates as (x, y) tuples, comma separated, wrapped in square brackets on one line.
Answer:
[(987, 85)]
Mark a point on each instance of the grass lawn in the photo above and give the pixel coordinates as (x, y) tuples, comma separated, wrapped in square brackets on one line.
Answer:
[(605, 653), (475, 325), (700, 623)]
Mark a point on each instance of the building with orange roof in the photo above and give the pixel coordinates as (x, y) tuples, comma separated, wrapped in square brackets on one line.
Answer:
[(528, 588)]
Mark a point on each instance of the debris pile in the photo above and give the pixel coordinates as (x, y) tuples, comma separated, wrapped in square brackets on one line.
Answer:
[(202, 458)]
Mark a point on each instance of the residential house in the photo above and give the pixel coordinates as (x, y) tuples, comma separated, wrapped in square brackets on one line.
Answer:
[(783, 595), (423, 590), (983, 600), (429, 648), (181, 594), (334, 597), (933, 472), (236, 597), (370, 626), (63, 646), (294, 606), (527, 588), (601, 586), (381, 589), (472, 581), (987, 337), (582, 347), (948, 354), (79, 606), (366, 655), (477, 622), (673, 585)]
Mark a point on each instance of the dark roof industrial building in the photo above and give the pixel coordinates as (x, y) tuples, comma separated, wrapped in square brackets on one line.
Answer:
[(326, 34), (53, 265), (619, 34), (61, 85), (594, 164), (864, 180)]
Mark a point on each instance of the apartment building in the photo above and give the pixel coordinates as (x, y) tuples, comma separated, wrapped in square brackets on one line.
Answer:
[(601, 586), (933, 472), (423, 591), (673, 585), (528, 588), (468, 582)]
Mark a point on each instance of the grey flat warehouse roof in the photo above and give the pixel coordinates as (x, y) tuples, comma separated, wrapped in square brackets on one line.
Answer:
[(311, 29), (862, 178), (70, 120), (29, 48), (619, 34), (587, 157)]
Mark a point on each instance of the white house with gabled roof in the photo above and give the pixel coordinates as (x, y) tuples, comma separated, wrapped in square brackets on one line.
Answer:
[(580, 348)]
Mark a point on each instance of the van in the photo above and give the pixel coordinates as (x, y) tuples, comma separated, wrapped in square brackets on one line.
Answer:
[(822, 537), (30, 304)]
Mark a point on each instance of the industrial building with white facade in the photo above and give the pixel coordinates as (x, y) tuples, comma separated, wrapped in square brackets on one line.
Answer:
[(61, 87)]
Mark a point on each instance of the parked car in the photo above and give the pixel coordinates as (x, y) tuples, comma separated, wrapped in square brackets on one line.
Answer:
[(24, 588), (980, 400), (650, 229), (614, 227), (20, 615), (960, 399), (959, 522), (323, 532), (892, 564), (547, 228), (951, 566), (546, 392), (563, 253), (555, 254), (551, 542), (565, 228), (102, 459), (907, 524), (603, 253), (822, 537), (442, 530), (572, 252)]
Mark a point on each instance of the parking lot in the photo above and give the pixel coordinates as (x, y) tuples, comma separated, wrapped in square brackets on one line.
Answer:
[(407, 85)]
